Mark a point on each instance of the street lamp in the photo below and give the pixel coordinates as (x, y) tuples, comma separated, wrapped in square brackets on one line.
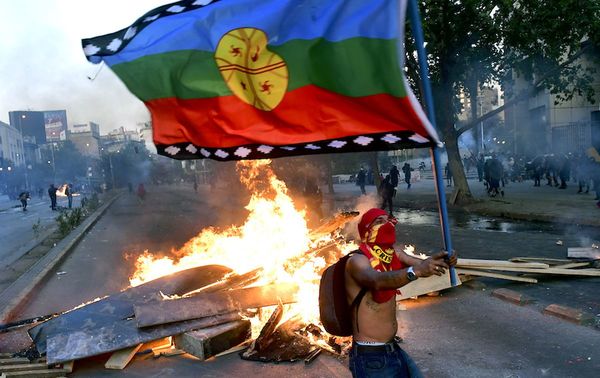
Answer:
[(23, 116)]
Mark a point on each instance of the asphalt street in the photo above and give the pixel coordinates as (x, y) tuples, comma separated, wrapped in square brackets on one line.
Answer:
[(462, 333), (17, 225)]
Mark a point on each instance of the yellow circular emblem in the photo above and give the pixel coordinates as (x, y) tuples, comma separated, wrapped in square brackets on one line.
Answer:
[(257, 76)]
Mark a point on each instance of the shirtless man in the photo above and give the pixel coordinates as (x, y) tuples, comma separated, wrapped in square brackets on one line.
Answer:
[(377, 272)]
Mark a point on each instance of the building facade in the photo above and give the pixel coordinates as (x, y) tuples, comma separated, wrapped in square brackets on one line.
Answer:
[(86, 138), (11, 147), (543, 124)]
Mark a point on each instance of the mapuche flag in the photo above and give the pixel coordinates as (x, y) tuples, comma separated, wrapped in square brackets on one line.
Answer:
[(253, 79)]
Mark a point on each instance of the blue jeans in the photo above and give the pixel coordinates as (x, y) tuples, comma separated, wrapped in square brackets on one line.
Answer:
[(368, 361)]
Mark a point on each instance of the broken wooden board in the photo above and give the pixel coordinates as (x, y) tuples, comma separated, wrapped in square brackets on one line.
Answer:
[(69, 366), (556, 271), (262, 340), (174, 310), (156, 344), (115, 308), (333, 224), (119, 359), (572, 265), (207, 342), (584, 253), (14, 361), (478, 263), (473, 272), (426, 285), (22, 367), (76, 345), (46, 373), (544, 260), (232, 281), (286, 345)]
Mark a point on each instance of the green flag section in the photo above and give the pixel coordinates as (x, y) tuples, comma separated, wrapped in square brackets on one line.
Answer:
[(243, 79)]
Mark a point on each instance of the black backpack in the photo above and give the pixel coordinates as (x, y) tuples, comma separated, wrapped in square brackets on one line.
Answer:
[(333, 307)]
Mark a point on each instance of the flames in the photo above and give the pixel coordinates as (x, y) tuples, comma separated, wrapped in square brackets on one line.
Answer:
[(274, 237)]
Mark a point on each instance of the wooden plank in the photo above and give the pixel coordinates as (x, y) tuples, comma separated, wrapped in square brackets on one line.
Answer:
[(558, 271), (119, 359), (165, 342), (473, 272), (14, 361), (211, 304), (426, 285), (237, 348), (69, 366), (584, 253), (572, 265), (540, 259), (333, 224), (261, 341), (207, 342), (48, 373), (167, 352), (466, 263), (23, 367)]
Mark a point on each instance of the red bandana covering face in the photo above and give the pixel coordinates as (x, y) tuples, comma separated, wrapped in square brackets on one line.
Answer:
[(377, 243)]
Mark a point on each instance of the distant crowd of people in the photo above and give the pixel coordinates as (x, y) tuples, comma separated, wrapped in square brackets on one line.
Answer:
[(495, 171), (557, 170)]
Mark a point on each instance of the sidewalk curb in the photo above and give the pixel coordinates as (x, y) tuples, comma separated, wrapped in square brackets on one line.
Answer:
[(31, 244), (512, 296), (568, 313), (18, 291)]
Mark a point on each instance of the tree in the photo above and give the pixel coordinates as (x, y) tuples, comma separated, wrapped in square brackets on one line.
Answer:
[(472, 43)]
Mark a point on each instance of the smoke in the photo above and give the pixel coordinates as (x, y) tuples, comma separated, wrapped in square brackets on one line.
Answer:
[(467, 141), (362, 205), (43, 66)]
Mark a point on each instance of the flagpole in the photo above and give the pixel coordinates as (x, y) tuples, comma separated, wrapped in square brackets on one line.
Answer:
[(415, 22)]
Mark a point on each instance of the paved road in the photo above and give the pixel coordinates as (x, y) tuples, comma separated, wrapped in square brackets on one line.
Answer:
[(464, 333), (17, 230)]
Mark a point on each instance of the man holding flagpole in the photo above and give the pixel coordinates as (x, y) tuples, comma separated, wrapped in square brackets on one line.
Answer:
[(372, 279)]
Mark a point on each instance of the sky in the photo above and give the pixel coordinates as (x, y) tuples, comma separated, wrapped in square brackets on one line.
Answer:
[(43, 67)]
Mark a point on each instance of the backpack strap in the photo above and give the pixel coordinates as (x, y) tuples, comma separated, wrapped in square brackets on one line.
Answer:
[(356, 303), (358, 299)]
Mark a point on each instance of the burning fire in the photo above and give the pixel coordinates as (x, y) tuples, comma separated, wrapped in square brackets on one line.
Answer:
[(274, 237)]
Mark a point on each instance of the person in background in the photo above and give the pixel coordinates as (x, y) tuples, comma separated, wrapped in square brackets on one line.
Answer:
[(386, 190), (23, 197), (69, 194), (448, 174), (52, 194), (407, 173), (394, 176), (141, 192), (480, 164), (361, 180)]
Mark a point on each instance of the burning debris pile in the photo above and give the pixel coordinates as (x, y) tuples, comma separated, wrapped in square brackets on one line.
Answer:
[(258, 281)]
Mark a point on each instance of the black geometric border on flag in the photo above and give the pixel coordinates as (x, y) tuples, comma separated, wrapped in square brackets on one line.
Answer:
[(112, 43), (360, 143)]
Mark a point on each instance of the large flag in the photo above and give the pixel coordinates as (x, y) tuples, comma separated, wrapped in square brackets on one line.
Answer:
[(253, 79)]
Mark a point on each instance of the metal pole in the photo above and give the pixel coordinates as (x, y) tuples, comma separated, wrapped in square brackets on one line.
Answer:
[(112, 173), (53, 163), (415, 22)]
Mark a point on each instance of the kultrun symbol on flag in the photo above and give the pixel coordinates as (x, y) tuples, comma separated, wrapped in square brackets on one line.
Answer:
[(257, 76)]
